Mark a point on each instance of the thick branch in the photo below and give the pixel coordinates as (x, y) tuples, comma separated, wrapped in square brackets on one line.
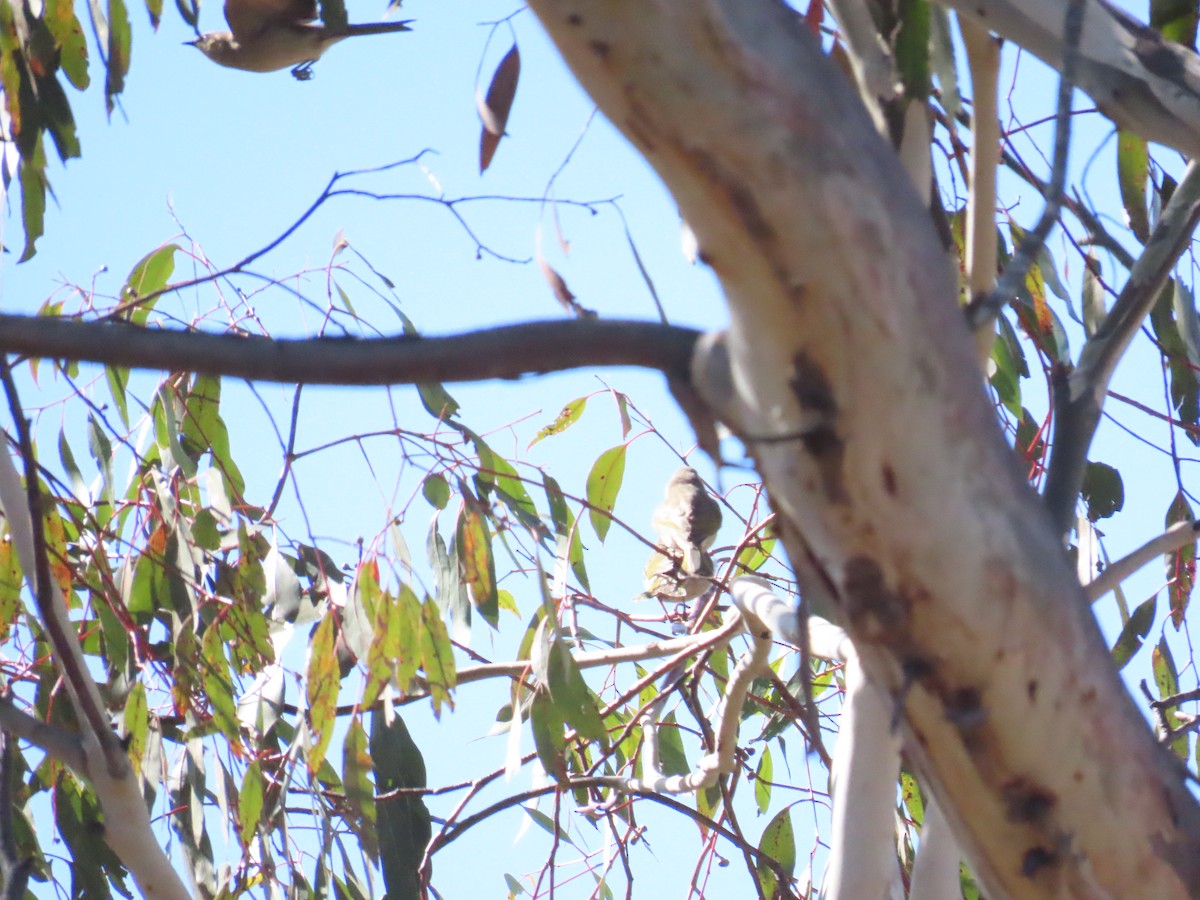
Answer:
[(1145, 84), (851, 376), (59, 744), (508, 352), (1080, 395)]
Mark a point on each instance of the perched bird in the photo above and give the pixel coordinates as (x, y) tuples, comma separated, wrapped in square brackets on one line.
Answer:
[(685, 523), (267, 35)]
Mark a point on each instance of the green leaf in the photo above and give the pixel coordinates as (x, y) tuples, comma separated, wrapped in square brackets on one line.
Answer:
[(201, 416), (322, 682), (1185, 389), (1134, 632), (910, 795), (451, 592), (549, 740), (118, 51), (135, 720), (31, 173), (437, 401), (118, 380), (81, 824), (779, 843), (941, 58), (576, 703), (60, 18), (1133, 171), (672, 757), (548, 825), (250, 803), (436, 490), (1181, 564), (762, 781), (11, 585), (566, 530), (912, 48), (1005, 378), (1187, 321), (603, 485), (218, 684), (404, 823), (754, 556), (149, 276), (1166, 678), (357, 768), (1175, 19), (1103, 491), (437, 657), (72, 469), (566, 418)]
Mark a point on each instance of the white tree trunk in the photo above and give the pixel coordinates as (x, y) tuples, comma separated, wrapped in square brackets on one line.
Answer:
[(850, 374)]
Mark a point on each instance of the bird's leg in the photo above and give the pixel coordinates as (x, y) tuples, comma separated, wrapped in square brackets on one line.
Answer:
[(304, 71)]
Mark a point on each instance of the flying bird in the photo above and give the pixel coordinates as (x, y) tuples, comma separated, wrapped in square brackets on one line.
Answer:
[(268, 35), (686, 524)]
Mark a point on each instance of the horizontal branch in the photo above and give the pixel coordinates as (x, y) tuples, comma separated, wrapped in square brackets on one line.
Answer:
[(506, 352)]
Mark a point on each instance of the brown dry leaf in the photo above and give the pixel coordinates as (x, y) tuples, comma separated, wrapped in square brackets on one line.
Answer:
[(563, 293), (494, 109)]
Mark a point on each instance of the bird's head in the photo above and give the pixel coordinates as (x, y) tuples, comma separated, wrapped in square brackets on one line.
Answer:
[(219, 46)]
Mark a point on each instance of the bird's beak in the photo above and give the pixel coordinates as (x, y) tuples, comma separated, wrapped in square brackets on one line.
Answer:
[(194, 43)]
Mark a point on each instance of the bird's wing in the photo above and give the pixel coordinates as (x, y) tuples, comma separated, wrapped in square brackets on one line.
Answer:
[(247, 18)]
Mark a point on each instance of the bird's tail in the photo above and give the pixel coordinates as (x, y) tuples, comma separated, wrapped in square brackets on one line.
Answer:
[(377, 28)]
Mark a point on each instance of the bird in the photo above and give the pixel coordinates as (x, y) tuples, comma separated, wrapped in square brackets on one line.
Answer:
[(686, 524), (268, 35)]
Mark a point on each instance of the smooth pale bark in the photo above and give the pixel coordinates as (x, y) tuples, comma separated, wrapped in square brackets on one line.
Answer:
[(849, 372), (127, 827), (1143, 83)]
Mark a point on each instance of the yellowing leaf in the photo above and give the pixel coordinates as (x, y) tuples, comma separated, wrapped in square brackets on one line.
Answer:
[(322, 687), (569, 416)]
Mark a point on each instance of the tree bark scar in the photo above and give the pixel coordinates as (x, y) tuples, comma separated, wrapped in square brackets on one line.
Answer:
[(815, 397), (1028, 802), (876, 612)]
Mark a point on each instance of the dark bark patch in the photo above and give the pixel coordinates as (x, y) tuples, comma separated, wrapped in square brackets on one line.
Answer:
[(575, 19), (1031, 689), (889, 480), (964, 708), (746, 207), (1158, 58), (877, 613), (1028, 803), (814, 395), (1036, 859), (600, 48), (810, 387)]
